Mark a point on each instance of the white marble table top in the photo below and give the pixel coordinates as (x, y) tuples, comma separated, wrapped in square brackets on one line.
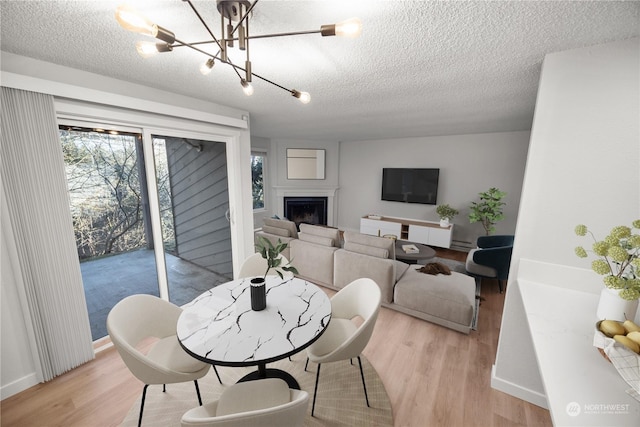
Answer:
[(219, 326)]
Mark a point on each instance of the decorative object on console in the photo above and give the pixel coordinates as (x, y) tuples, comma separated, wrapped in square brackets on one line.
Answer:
[(238, 11), (271, 253), (489, 210), (446, 214), (618, 261)]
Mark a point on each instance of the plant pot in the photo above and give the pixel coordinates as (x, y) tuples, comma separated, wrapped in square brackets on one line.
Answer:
[(444, 222), (258, 294), (612, 306)]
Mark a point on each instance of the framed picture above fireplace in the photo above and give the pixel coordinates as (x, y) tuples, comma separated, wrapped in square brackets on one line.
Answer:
[(303, 163)]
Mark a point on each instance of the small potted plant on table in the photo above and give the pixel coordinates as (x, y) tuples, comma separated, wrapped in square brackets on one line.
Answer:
[(271, 253)]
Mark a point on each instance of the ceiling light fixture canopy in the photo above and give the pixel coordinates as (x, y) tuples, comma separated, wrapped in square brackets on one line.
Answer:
[(234, 26)]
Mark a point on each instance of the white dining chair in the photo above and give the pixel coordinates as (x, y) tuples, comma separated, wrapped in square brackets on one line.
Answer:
[(265, 402), (344, 339), (255, 265), (138, 318)]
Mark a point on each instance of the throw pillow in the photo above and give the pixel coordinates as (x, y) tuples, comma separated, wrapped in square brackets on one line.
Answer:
[(366, 250), (435, 268), (319, 240), (277, 231)]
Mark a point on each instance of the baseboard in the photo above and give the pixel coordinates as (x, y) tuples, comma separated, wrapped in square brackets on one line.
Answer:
[(515, 390), (17, 386)]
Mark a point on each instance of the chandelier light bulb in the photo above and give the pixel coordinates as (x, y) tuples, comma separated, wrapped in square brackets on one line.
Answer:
[(207, 67), (130, 19), (304, 97), (349, 28), (146, 49), (246, 87)]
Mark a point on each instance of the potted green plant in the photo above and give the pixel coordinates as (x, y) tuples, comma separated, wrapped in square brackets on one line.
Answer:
[(271, 253), (446, 213), (618, 261), (488, 210)]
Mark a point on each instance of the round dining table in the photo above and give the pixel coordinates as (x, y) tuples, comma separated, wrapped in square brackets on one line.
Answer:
[(219, 327)]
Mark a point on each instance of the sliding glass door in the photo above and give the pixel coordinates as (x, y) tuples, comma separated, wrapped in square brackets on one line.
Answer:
[(150, 213), (110, 212), (193, 200)]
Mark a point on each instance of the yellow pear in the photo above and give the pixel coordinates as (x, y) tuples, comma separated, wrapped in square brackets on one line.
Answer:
[(634, 336), (627, 342), (611, 328), (629, 326)]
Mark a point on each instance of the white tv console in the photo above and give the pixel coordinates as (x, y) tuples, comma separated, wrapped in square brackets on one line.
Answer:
[(425, 232)]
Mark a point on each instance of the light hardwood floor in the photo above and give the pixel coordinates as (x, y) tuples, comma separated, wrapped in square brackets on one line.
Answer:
[(434, 377)]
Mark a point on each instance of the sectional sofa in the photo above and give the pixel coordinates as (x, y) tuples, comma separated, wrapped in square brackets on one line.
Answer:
[(322, 256)]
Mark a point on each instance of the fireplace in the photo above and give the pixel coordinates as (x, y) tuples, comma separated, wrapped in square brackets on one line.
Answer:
[(306, 210)]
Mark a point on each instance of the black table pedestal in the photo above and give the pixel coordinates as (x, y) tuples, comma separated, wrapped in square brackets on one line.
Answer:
[(263, 372)]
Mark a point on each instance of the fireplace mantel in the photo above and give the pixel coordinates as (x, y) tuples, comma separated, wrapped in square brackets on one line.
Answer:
[(328, 192)]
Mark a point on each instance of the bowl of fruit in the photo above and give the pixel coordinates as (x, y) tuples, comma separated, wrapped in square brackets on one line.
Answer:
[(619, 343), (626, 333)]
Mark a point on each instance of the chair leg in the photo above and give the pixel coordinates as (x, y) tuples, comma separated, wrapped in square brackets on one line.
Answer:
[(144, 394), (366, 396), (306, 364), (500, 286), (164, 388), (217, 374), (198, 392), (315, 390)]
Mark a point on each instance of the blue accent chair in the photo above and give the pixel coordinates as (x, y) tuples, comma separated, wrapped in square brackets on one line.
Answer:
[(491, 259)]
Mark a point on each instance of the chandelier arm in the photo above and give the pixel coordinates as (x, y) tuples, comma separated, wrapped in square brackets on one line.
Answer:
[(204, 24), (235, 67), (261, 36)]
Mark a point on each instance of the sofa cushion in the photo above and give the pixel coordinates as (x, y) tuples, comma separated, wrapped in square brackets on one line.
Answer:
[(448, 297), (350, 266), (326, 232), (283, 223), (378, 242), (314, 262), (318, 240), (277, 231), (366, 250), (401, 268)]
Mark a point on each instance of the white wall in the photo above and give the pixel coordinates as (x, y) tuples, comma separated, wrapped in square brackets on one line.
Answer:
[(583, 168), (469, 164)]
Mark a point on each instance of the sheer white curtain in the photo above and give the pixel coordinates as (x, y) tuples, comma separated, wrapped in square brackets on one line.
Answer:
[(39, 220)]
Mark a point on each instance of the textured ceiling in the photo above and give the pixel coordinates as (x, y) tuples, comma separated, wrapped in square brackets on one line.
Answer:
[(420, 68)]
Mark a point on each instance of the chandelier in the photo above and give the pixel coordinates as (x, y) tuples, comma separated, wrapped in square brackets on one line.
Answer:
[(234, 27)]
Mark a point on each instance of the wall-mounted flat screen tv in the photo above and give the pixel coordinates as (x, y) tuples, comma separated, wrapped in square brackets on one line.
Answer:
[(410, 185)]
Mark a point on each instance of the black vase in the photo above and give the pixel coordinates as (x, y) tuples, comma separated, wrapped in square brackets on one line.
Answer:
[(258, 294)]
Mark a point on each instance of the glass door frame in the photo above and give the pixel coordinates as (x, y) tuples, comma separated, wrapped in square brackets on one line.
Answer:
[(154, 199), (238, 148)]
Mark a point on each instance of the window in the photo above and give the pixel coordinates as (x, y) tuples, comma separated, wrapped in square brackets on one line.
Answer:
[(257, 179)]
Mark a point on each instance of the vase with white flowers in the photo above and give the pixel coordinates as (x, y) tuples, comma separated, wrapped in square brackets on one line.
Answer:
[(618, 261)]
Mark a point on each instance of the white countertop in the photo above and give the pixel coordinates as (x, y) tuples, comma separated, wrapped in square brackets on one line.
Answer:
[(582, 388)]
